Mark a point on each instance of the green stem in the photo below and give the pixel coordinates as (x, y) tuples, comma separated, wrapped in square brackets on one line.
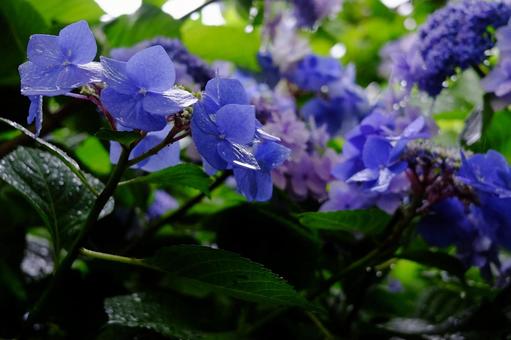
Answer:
[(113, 258), (73, 252)]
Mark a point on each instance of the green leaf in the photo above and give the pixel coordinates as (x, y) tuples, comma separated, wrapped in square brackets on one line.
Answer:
[(438, 260), (227, 273), (68, 161), (367, 221), (189, 175), (68, 11), (229, 43), (171, 315), (94, 156), (57, 194), (123, 137), (148, 22), (496, 135)]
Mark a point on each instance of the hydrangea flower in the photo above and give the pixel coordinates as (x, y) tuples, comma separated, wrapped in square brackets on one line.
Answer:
[(313, 72), (345, 106), (224, 124), (58, 64), (166, 157), (457, 36), (309, 12), (140, 93), (190, 69), (498, 81), (257, 185), (451, 222)]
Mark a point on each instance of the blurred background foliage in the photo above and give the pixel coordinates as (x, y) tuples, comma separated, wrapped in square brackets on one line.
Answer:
[(420, 294)]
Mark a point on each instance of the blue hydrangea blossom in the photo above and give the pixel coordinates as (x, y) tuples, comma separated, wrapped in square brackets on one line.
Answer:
[(58, 64), (140, 93), (313, 72)]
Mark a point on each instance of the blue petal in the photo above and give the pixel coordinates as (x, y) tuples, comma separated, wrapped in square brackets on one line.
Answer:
[(237, 154), (376, 152), (129, 111), (168, 102), (152, 69), (226, 91), (77, 43), (270, 155), (237, 123), (206, 144), (44, 50), (254, 185), (202, 120), (116, 76), (384, 178), (36, 80), (35, 113), (72, 76), (365, 175)]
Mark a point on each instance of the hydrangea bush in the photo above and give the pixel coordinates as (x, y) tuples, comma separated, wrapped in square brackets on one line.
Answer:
[(243, 182)]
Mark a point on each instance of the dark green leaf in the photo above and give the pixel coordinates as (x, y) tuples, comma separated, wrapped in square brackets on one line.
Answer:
[(18, 20), (123, 137), (57, 194), (68, 161), (496, 135), (148, 22), (438, 260), (367, 221), (171, 315), (226, 272), (216, 42), (189, 175)]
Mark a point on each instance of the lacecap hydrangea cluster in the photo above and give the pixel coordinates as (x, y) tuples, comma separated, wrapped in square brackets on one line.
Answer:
[(138, 93)]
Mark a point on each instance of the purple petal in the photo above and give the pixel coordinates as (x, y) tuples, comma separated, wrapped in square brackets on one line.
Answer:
[(168, 102), (376, 152), (237, 123), (270, 155), (71, 76), (384, 179), (201, 120), (35, 113), (226, 91), (44, 50), (152, 69), (129, 112), (116, 76), (77, 43)]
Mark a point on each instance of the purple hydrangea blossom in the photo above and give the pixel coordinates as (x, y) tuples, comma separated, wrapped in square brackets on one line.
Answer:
[(161, 204), (458, 36), (190, 69), (454, 37), (309, 12), (372, 171), (166, 157), (498, 81), (140, 93), (57, 65)]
